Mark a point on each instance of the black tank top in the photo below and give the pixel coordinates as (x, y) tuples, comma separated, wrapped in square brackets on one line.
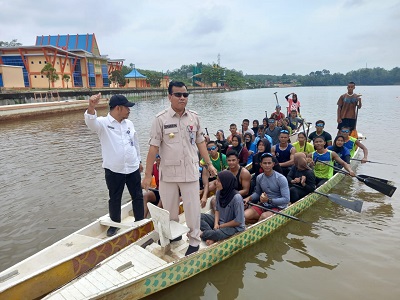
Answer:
[(239, 187)]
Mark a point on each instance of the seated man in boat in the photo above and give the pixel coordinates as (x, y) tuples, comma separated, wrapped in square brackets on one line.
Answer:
[(277, 114), (340, 149), (229, 214), (234, 131), (301, 178), (271, 190), (261, 134), (242, 175), (153, 195), (219, 162), (323, 159), (284, 152), (273, 131), (352, 143), (319, 126), (246, 128), (294, 121)]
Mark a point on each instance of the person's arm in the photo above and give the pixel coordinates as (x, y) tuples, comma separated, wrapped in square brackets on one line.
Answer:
[(287, 96), (204, 177), (339, 109), (151, 157), (257, 192), (204, 154), (238, 213), (359, 104), (310, 181), (284, 191), (365, 151), (273, 151), (343, 163), (291, 175), (246, 178), (90, 114), (216, 219)]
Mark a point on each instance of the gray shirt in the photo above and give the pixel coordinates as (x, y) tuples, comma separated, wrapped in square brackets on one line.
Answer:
[(233, 211), (275, 186)]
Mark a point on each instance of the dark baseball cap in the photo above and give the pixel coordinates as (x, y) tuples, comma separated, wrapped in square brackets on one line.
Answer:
[(120, 100)]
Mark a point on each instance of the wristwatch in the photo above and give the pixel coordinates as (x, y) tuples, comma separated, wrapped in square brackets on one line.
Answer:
[(207, 164)]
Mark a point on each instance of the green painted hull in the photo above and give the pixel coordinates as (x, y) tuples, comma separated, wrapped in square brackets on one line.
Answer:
[(208, 257)]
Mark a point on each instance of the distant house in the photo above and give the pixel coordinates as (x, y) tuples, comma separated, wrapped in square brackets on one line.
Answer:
[(75, 55), (136, 80)]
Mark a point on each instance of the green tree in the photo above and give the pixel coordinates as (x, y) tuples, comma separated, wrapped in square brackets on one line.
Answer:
[(118, 77), (50, 72), (66, 78), (13, 43), (153, 77)]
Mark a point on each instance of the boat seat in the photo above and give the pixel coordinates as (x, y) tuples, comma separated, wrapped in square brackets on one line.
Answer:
[(106, 221), (166, 228)]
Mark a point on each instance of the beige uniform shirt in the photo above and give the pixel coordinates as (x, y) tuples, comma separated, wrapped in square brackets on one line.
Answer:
[(176, 138)]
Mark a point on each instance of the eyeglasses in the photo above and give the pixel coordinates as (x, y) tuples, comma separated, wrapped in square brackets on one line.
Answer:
[(266, 154), (178, 95), (284, 131), (345, 130), (271, 121), (212, 148), (319, 125)]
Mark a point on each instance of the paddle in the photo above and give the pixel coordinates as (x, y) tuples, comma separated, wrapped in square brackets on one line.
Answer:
[(374, 162), (308, 128), (379, 179), (276, 212), (355, 205), (276, 97), (377, 185)]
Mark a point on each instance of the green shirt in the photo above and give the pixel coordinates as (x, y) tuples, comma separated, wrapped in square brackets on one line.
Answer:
[(217, 163), (309, 148)]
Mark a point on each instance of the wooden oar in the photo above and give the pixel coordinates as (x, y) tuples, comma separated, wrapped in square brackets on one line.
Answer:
[(355, 205), (377, 185), (276, 212), (374, 162)]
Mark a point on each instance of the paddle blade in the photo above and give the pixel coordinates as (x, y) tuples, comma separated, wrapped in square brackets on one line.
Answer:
[(379, 186), (355, 205), (376, 178)]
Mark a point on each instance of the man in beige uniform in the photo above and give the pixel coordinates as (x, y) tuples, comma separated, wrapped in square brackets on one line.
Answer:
[(176, 135)]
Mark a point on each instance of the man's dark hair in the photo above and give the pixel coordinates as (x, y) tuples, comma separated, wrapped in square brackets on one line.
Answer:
[(232, 152), (211, 142), (233, 124), (246, 120), (177, 84), (352, 82)]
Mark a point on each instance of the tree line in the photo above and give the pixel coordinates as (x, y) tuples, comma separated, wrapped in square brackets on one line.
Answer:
[(213, 73)]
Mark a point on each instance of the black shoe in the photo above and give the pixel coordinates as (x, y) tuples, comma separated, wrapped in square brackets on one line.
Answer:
[(176, 239), (112, 231), (191, 249), (171, 241)]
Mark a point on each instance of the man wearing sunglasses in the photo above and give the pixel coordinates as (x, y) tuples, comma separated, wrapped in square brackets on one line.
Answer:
[(319, 126), (176, 135), (121, 155)]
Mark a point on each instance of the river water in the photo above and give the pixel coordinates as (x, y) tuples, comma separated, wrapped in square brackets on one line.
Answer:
[(52, 184)]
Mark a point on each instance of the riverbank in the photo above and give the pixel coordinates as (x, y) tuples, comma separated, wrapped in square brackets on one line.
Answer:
[(19, 111)]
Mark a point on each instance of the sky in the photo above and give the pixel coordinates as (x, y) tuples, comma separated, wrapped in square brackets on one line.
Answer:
[(257, 37)]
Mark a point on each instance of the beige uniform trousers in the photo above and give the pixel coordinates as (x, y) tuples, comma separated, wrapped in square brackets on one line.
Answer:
[(169, 195)]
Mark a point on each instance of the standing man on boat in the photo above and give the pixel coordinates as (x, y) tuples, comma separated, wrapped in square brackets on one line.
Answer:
[(348, 103), (176, 135), (121, 155)]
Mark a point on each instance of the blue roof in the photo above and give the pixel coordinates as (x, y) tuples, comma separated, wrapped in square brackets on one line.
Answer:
[(134, 74), (77, 41)]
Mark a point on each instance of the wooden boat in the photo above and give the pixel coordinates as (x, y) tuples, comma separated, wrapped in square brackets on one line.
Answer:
[(70, 257), (136, 271)]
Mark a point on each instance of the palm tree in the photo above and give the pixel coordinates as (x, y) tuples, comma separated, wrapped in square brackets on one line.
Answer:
[(66, 78), (50, 72)]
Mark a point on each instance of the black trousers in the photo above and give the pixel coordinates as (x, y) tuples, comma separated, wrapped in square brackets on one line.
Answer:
[(116, 184)]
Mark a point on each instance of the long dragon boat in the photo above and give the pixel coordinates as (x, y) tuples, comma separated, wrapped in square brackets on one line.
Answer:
[(70, 257), (141, 269)]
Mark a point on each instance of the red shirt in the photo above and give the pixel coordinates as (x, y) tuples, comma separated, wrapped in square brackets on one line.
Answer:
[(156, 174)]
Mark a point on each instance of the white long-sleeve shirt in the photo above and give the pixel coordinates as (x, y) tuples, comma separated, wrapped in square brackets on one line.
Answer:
[(119, 142)]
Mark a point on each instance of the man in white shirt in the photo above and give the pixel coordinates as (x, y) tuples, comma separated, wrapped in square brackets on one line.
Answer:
[(121, 155)]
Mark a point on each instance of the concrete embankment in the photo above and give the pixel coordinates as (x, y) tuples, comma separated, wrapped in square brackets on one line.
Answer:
[(18, 111)]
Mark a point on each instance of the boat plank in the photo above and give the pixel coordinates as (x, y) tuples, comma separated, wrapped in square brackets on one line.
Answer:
[(118, 277), (72, 293), (102, 278), (86, 287)]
